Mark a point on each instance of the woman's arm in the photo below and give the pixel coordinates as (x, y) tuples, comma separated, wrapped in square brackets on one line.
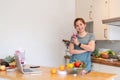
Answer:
[(89, 47), (73, 51)]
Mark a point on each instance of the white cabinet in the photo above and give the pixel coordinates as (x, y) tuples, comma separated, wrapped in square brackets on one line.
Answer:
[(100, 9), (84, 9), (107, 69), (104, 9), (114, 10), (95, 67), (96, 11)]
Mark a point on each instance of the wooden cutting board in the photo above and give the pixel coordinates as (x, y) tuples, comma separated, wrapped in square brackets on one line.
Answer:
[(106, 61)]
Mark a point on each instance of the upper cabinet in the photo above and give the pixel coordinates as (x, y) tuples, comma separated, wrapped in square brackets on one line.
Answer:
[(113, 20), (114, 10), (100, 9), (84, 8), (113, 13), (96, 11)]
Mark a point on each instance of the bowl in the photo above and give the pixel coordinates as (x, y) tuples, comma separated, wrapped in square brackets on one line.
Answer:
[(62, 72), (74, 71)]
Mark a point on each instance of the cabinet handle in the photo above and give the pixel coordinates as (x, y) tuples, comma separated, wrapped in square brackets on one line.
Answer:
[(90, 14), (105, 33)]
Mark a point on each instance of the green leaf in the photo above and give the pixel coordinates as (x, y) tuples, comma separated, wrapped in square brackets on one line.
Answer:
[(9, 59)]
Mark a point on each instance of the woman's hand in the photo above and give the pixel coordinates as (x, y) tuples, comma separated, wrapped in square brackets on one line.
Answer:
[(75, 40)]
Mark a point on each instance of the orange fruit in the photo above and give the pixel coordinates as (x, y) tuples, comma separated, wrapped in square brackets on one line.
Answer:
[(62, 68), (53, 70)]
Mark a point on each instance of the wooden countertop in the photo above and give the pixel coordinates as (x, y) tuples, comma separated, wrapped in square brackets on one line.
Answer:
[(46, 75)]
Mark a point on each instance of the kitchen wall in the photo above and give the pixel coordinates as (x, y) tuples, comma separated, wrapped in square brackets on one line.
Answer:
[(38, 27), (109, 44)]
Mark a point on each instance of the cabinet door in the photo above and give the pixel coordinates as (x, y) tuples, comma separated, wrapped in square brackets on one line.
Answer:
[(84, 9), (114, 8), (95, 67), (100, 10)]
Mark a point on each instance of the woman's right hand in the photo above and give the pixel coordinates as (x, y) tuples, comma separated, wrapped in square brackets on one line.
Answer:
[(74, 39)]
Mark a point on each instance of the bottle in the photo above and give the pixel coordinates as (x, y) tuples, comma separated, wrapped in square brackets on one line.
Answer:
[(21, 55)]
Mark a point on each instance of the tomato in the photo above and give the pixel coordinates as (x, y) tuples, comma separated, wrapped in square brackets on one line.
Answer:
[(77, 64)]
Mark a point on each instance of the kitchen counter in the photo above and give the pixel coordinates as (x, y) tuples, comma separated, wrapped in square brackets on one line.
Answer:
[(101, 61), (46, 75)]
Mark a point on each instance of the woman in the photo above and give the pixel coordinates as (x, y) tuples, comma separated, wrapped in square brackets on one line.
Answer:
[(82, 44)]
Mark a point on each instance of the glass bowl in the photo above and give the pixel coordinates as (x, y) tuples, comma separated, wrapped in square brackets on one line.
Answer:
[(74, 71)]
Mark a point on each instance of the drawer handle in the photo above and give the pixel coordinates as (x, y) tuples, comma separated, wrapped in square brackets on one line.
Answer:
[(105, 33)]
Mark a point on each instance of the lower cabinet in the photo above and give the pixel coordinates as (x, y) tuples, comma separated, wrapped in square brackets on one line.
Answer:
[(107, 69)]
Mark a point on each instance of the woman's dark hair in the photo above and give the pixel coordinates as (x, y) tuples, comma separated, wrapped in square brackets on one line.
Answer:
[(77, 19)]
